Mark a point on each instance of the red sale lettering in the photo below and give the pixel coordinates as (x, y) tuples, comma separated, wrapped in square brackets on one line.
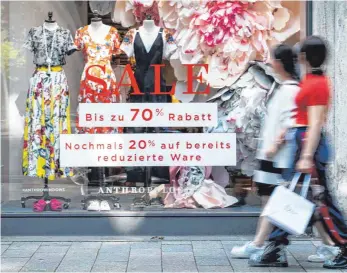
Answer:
[(133, 82), (157, 82), (96, 79), (191, 77)]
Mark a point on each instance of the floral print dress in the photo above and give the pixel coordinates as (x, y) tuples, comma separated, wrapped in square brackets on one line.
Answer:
[(97, 57), (47, 112)]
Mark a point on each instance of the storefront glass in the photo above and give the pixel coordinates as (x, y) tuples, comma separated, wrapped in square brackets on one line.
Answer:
[(218, 46)]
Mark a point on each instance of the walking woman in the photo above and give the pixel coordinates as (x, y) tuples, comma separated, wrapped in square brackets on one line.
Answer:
[(311, 151), (273, 152)]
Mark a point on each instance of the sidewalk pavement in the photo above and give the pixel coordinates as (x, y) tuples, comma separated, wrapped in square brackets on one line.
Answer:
[(158, 254)]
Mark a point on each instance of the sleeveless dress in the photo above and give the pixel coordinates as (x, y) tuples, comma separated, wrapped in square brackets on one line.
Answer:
[(97, 54), (162, 48)]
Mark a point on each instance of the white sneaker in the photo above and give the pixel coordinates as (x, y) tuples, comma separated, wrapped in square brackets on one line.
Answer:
[(245, 251), (93, 205), (104, 205), (324, 253)]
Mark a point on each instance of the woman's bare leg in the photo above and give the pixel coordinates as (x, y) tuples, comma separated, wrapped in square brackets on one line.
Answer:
[(264, 227)]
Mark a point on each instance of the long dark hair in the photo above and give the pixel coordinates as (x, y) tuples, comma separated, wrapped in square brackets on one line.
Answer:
[(287, 57), (316, 51)]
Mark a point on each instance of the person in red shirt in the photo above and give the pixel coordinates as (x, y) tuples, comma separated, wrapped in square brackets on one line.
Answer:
[(311, 154)]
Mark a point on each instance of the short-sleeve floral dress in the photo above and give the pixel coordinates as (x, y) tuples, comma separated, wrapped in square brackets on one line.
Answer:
[(48, 104), (97, 58)]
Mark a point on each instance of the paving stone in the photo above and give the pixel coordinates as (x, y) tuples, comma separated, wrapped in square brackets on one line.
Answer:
[(112, 257), (212, 260), (309, 242), (25, 245), (145, 260), (18, 253), (241, 265), (109, 267), (180, 267), (116, 245), (177, 248), (145, 245), (4, 247), (177, 257), (6, 242), (90, 245), (144, 268), (12, 264), (53, 249), (176, 243), (301, 252), (315, 267), (147, 252), (43, 263), (207, 268), (75, 265), (209, 252), (291, 268), (56, 244), (207, 244)]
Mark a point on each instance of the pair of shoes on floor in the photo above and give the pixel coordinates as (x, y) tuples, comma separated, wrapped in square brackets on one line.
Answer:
[(41, 205), (98, 205)]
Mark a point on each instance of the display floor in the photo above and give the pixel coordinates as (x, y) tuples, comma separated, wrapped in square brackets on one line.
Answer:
[(125, 221)]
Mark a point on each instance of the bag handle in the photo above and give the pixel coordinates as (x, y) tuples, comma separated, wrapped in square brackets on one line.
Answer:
[(305, 184)]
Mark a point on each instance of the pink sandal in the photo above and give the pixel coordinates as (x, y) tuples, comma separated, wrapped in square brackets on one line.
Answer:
[(56, 205), (39, 205)]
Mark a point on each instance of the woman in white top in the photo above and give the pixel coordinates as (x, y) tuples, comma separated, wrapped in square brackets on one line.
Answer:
[(273, 151)]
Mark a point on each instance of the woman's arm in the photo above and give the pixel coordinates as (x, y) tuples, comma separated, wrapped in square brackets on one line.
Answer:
[(316, 119)]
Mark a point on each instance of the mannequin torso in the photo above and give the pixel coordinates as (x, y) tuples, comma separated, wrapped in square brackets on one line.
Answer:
[(98, 31), (50, 26), (148, 32)]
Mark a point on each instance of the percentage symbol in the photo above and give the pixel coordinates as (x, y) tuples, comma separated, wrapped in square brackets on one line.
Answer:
[(151, 143), (159, 112)]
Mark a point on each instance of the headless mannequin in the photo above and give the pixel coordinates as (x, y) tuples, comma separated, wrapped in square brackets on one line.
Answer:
[(98, 31), (51, 26), (148, 32)]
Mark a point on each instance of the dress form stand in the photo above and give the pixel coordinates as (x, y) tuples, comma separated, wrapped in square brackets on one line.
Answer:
[(148, 32), (98, 30), (49, 24)]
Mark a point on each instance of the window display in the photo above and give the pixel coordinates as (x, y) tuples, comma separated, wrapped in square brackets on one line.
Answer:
[(225, 44)]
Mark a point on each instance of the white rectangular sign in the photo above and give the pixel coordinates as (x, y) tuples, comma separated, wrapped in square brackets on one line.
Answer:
[(109, 150), (147, 114)]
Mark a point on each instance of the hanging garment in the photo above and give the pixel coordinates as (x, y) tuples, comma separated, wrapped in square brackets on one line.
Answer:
[(48, 104), (192, 188), (163, 46), (97, 54)]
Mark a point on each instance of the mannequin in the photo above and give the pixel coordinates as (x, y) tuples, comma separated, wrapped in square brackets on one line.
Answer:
[(49, 81), (148, 32), (50, 26), (97, 29)]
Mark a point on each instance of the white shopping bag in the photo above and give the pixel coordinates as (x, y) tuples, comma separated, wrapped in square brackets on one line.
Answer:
[(288, 210)]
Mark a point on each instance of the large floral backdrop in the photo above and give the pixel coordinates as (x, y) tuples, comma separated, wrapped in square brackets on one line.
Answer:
[(226, 35)]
